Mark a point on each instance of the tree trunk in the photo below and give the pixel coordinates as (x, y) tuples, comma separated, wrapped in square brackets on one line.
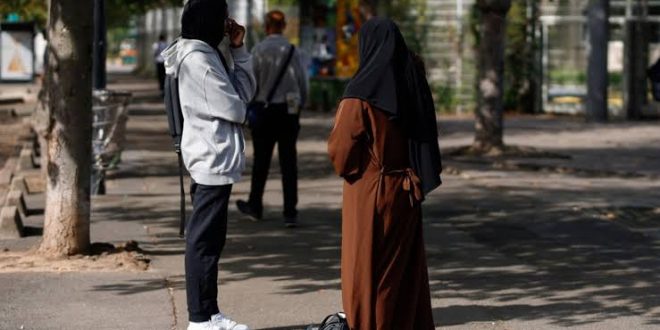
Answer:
[(41, 122), (66, 228), (490, 78), (142, 45)]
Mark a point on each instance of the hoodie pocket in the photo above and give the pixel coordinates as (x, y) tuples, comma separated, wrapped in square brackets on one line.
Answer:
[(229, 145), (220, 132)]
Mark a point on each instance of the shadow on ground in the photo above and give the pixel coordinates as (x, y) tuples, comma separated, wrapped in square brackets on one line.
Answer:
[(495, 252)]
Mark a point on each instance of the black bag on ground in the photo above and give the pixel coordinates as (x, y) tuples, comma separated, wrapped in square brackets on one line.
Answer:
[(334, 322), (255, 110)]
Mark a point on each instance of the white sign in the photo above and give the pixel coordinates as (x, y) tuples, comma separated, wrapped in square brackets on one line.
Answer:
[(16, 56)]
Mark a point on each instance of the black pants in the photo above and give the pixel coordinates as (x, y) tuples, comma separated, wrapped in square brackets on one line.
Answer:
[(206, 233), (275, 127), (160, 71)]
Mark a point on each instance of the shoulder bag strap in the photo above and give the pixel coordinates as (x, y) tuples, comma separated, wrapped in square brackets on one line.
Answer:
[(223, 60), (280, 75), (182, 202)]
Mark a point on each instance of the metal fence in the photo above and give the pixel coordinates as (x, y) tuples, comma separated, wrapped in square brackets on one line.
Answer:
[(563, 61), (110, 115)]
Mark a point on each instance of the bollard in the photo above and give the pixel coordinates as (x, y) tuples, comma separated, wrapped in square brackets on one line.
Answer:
[(26, 160), (7, 172), (11, 226), (18, 183), (15, 198), (35, 183)]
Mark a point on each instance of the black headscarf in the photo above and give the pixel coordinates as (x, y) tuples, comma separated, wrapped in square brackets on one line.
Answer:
[(390, 80), (204, 20)]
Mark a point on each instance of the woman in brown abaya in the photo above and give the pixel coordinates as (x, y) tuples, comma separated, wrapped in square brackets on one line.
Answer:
[(384, 144)]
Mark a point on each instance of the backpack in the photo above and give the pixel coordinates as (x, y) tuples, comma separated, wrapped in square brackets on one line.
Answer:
[(334, 322), (175, 123)]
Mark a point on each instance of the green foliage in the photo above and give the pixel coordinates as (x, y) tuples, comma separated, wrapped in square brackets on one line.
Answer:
[(28, 10), (412, 16), (519, 57), (574, 77), (446, 98), (474, 25), (283, 2), (568, 77), (120, 13), (115, 38)]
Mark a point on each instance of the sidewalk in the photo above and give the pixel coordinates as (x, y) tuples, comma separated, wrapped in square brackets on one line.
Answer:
[(535, 244)]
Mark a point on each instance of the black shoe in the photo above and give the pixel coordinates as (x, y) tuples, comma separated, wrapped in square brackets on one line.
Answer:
[(247, 209), (290, 222)]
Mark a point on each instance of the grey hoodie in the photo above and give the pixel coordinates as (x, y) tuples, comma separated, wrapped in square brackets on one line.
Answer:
[(213, 102)]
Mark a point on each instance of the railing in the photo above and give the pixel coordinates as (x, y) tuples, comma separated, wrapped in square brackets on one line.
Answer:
[(110, 113)]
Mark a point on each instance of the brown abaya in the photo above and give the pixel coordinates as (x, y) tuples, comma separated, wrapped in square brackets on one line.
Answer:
[(383, 263)]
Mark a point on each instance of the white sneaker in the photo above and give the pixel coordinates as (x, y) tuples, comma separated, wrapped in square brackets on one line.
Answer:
[(225, 323), (202, 326)]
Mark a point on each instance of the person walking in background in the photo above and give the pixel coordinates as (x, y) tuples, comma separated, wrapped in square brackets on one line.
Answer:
[(281, 93), (159, 60), (385, 146), (213, 100)]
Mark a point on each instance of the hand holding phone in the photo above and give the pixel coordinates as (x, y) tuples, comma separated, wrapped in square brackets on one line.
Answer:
[(235, 32)]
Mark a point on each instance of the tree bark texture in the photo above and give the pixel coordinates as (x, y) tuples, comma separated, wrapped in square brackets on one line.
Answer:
[(490, 75), (41, 122), (66, 228)]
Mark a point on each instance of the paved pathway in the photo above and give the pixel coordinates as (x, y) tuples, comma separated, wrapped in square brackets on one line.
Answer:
[(527, 243)]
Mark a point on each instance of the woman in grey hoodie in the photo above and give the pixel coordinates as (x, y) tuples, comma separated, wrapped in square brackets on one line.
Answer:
[(213, 99)]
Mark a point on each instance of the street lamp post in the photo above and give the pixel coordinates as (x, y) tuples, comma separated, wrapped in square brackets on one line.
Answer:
[(98, 84), (636, 49), (100, 46)]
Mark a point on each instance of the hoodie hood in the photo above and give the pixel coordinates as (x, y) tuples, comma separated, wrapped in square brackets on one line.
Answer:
[(177, 51)]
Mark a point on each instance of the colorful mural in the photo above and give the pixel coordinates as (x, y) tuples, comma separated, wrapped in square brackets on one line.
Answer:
[(349, 21)]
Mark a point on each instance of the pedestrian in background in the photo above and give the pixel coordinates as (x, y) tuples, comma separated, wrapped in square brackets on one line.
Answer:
[(282, 92), (385, 146), (159, 60), (213, 100)]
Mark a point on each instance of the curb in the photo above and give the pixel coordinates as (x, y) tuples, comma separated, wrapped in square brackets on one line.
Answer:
[(14, 209)]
